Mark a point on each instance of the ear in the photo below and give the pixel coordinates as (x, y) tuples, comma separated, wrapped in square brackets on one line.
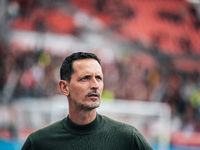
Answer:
[(64, 87)]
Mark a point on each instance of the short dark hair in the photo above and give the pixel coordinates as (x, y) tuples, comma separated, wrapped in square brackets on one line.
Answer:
[(66, 69)]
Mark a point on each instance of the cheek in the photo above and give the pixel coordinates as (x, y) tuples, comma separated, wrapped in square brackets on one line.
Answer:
[(76, 91), (101, 87)]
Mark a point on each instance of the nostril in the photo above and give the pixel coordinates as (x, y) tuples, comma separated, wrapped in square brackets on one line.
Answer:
[(95, 86)]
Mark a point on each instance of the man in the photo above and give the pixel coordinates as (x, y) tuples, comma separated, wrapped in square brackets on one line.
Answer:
[(84, 129)]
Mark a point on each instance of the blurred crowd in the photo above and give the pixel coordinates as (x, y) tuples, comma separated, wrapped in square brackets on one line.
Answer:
[(124, 78), (130, 76)]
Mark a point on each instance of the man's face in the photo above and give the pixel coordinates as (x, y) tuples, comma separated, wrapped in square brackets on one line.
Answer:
[(86, 85)]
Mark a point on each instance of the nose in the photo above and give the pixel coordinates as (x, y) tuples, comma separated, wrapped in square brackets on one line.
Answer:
[(94, 84)]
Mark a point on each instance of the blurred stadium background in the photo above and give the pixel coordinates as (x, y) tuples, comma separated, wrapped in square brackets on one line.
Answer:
[(150, 52)]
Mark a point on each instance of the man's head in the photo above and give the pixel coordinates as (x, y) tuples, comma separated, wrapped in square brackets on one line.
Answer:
[(82, 80), (67, 69)]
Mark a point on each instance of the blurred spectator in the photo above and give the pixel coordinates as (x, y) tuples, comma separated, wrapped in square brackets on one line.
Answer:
[(37, 70)]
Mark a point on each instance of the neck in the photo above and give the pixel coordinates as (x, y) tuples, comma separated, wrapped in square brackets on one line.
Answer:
[(82, 117)]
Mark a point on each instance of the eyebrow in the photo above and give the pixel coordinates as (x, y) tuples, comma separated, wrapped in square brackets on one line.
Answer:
[(89, 75)]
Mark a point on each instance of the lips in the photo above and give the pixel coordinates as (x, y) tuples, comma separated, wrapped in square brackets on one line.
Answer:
[(93, 94)]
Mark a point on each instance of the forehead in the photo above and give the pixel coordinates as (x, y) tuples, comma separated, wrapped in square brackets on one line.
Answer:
[(87, 65)]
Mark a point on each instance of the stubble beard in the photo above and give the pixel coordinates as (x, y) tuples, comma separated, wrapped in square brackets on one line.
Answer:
[(87, 106)]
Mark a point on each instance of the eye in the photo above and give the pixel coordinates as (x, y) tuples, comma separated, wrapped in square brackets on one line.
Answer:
[(85, 78), (98, 77)]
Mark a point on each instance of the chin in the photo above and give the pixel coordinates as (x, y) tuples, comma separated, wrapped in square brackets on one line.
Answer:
[(90, 106)]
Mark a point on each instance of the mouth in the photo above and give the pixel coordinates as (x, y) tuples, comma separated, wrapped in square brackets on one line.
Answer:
[(93, 95)]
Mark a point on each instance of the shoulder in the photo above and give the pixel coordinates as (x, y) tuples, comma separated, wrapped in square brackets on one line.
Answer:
[(118, 125), (37, 139), (127, 132), (47, 131), (123, 128)]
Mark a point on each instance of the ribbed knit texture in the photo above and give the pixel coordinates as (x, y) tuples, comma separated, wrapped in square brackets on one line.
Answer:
[(101, 134)]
